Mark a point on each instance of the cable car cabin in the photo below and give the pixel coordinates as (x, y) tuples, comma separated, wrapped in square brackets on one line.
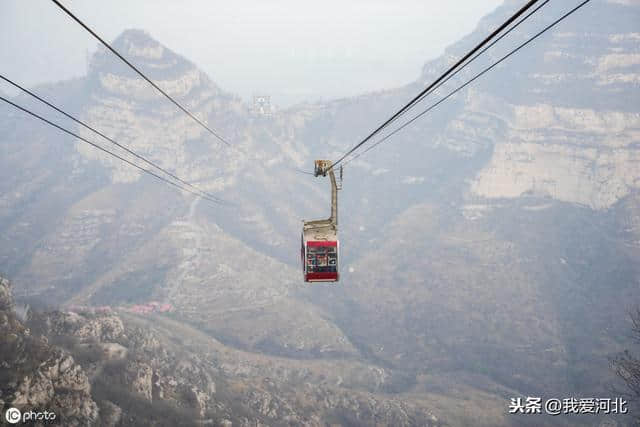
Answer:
[(319, 254), (320, 245)]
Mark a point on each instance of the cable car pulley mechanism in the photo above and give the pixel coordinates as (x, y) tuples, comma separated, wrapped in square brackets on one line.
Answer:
[(320, 244)]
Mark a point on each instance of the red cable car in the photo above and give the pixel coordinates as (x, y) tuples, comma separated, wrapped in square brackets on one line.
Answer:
[(320, 245)]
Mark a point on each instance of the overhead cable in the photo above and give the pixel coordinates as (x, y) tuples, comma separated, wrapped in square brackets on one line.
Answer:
[(109, 152), (416, 99), (140, 73), (133, 153), (545, 29), (463, 66), (434, 88)]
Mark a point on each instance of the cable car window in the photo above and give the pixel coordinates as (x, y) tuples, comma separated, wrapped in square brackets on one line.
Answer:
[(322, 259)]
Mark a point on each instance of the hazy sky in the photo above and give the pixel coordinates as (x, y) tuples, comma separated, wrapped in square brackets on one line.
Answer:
[(293, 50)]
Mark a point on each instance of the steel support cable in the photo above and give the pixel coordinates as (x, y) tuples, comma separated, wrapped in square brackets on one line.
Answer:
[(302, 171), (108, 152), (411, 103), (133, 153), (545, 29), (458, 70), (513, 27), (140, 73)]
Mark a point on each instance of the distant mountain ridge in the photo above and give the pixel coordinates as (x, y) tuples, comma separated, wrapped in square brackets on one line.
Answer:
[(489, 250)]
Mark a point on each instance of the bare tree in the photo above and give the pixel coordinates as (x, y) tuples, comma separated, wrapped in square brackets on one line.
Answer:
[(627, 366)]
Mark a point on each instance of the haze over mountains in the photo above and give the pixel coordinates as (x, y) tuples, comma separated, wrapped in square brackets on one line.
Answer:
[(490, 251)]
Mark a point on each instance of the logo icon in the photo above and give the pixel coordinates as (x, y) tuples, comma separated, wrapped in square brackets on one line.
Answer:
[(13, 415)]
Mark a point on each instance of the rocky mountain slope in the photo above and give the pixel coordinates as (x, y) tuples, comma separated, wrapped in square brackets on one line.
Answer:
[(35, 375), (127, 371), (490, 251)]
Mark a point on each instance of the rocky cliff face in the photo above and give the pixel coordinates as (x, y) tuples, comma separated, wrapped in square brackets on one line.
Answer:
[(105, 369), (488, 251), (169, 139), (573, 150), (36, 376)]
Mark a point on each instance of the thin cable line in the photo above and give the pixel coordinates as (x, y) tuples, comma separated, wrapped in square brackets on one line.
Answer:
[(134, 68), (504, 25), (149, 162), (472, 79), (302, 171), (107, 151), (475, 57)]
